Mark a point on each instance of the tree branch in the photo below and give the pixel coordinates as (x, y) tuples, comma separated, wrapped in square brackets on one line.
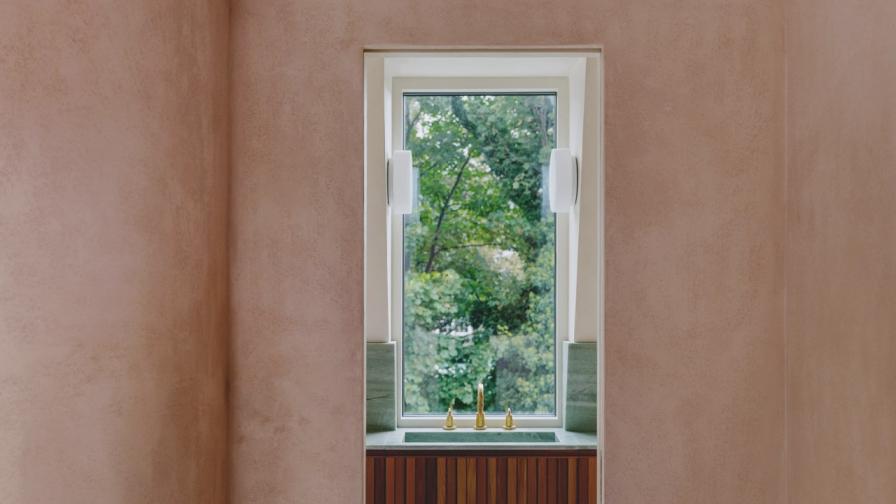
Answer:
[(468, 245), (433, 247)]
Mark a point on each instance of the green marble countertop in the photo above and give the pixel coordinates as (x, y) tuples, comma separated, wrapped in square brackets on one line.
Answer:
[(566, 440)]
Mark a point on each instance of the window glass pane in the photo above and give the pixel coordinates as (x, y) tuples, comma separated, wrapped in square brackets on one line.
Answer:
[(479, 255)]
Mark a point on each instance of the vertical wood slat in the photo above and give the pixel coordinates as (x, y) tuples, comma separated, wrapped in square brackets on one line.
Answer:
[(582, 480), (481, 479), (501, 479), (400, 480), (511, 479), (410, 485), (471, 480), (379, 481), (390, 479), (371, 477), (461, 480), (521, 480), (532, 480), (541, 479), (562, 483), (432, 484), (420, 480), (592, 479), (451, 480), (492, 481), (440, 480), (551, 464)]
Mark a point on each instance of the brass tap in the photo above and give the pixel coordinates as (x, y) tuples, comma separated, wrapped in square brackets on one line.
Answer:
[(449, 420), (480, 408), (508, 421)]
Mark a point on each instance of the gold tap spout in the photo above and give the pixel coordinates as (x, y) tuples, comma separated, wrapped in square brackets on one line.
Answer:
[(480, 408)]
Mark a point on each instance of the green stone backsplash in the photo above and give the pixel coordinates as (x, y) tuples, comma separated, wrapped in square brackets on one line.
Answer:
[(580, 387), (380, 387)]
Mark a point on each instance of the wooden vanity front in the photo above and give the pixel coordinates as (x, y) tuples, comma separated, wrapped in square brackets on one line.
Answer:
[(482, 477)]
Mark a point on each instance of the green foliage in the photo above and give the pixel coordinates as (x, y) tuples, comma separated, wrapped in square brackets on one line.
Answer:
[(479, 254)]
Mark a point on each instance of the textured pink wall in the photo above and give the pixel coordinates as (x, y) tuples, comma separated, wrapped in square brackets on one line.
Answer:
[(695, 205), (113, 270), (841, 315), (114, 211)]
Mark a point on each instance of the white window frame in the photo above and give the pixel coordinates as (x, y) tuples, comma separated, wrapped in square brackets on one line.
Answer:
[(554, 85), (388, 74)]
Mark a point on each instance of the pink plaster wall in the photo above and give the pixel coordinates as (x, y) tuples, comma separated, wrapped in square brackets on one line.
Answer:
[(841, 309), (695, 213), (114, 144), (113, 270)]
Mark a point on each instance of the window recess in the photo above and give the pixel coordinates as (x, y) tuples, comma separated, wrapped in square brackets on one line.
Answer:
[(481, 281)]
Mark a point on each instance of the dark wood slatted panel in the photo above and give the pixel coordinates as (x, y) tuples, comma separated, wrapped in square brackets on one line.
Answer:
[(469, 478)]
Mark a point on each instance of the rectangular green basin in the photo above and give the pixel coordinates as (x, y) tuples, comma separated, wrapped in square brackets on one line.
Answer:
[(480, 437)]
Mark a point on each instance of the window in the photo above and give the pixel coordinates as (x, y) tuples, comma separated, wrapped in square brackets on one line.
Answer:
[(481, 282), (477, 265), (478, 254)]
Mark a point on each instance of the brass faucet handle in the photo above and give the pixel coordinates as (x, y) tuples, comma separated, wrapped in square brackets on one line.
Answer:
[(508, 421), (449, 420)]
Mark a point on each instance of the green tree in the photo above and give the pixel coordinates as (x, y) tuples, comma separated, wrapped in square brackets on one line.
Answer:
[(479, 254)]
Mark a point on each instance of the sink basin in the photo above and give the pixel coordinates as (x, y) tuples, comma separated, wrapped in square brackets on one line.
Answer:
[(480, 437)]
